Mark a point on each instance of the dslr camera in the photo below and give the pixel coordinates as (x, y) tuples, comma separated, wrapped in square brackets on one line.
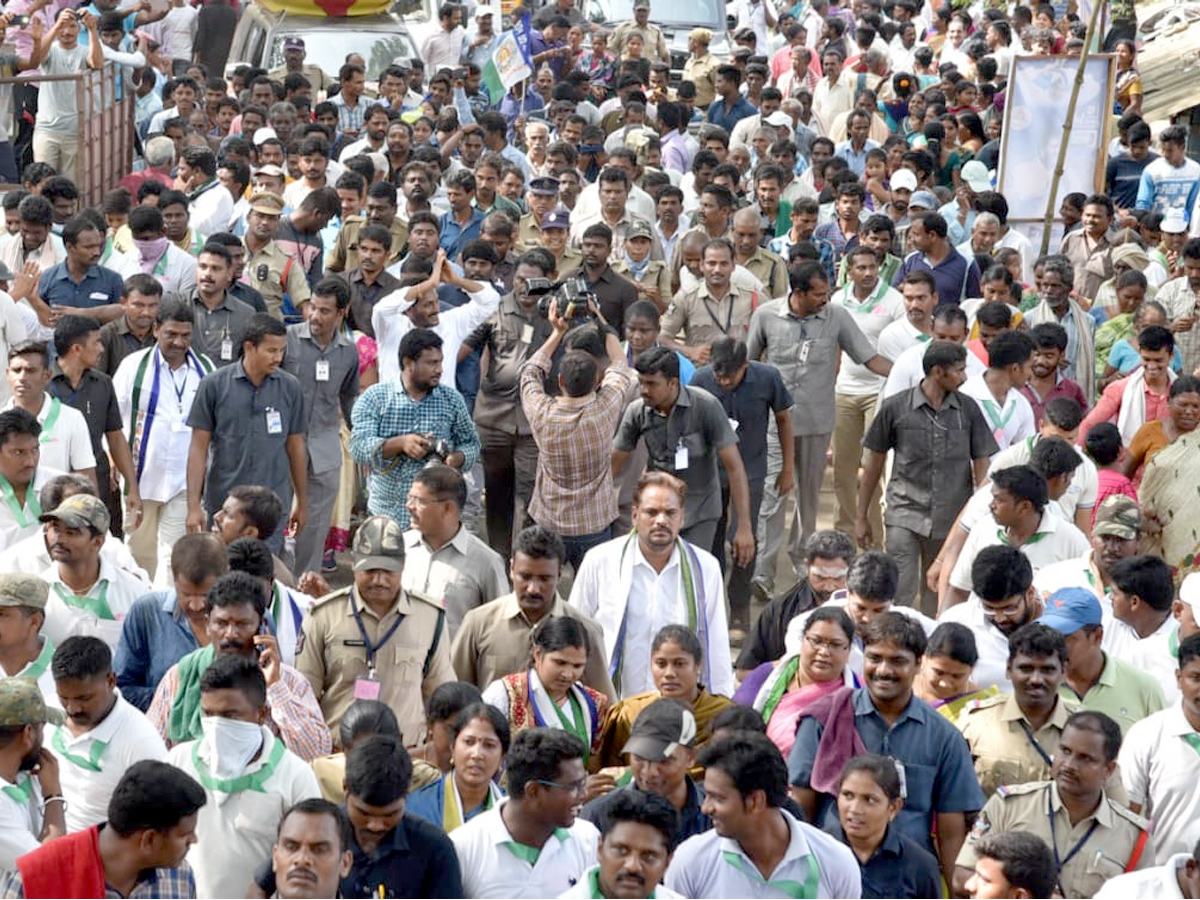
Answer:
[(569, 296)]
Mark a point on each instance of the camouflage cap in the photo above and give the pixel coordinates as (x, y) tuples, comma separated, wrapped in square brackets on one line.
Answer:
[(379, 544), (81, 511), (639, 228), (1118, 516), (19, 589), (21, 704)]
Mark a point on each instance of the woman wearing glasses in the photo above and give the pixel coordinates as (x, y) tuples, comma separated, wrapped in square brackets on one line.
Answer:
[(783, 690)]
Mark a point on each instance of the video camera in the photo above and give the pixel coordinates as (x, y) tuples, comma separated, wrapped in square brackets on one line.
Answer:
[(570, 296)]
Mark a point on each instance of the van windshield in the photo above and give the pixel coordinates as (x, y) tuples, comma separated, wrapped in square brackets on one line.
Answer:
[(328, 48), (709, 13)]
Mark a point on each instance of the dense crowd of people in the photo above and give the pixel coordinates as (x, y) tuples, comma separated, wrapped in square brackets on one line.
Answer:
[(402, 478)]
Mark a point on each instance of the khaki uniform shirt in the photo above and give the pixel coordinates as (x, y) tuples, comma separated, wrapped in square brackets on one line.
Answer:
[(657, 275), (265, 272), (493, 641), (529, 232), (652, 38), (702, 72), (344, 255), (704, 320), (332, 656), (314, 73), (1102, 854), (570, 259), (771, 270), (1008, 751)]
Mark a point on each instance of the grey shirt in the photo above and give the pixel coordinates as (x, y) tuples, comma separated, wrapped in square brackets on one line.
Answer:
[(213, 327), (329, 379), (249, 427), (805, 351), (696, 424), (932, 476), (752, 405)]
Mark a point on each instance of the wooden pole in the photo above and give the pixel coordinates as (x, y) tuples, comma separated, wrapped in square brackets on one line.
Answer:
[(1060, 164)]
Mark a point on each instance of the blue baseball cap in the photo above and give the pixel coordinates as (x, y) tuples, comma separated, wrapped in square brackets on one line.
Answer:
[(1070, 609)]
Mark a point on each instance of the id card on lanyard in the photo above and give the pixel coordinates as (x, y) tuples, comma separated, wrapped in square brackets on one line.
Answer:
[(368, 688)]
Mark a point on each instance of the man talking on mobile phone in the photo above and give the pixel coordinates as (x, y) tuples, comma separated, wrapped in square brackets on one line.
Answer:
[(237, 626)]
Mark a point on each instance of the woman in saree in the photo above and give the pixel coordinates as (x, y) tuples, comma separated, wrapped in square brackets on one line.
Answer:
[(549, 693), (781, 691), (944, 679), (481, 738), (1183, 404), (676, 664)]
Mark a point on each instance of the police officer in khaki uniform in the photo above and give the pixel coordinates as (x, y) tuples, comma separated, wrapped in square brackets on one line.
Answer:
[(652, 36), (654, 281), (556, 228), (375, 641), (701, 66), (767, 267), (1013, 737), (1092, 836), (713, 309), (542, 197), (344, 255), (269, 270)]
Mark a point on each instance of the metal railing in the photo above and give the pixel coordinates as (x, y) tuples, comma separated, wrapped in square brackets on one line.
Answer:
[(106, 128)]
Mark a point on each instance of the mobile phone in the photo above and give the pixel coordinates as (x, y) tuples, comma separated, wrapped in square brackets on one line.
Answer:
[(21, 21)]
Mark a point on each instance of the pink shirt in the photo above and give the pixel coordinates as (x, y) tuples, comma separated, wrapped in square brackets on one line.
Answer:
[(1110, 404)]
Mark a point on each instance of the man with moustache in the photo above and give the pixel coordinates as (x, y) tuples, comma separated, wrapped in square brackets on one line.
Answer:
[(32, 808), (494, 639), (312, 850)]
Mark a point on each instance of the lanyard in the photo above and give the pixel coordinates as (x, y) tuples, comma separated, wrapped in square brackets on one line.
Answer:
[(31, 503), (51, 421), (372, 649), (154, 357), (1060, 864), (253, 781), (97, 606), (91, 762), (1033, 741), (728, 316)]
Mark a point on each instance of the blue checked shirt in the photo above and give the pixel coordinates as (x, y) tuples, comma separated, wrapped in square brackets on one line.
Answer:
[(386, 411), (168, 884), (350, 118)]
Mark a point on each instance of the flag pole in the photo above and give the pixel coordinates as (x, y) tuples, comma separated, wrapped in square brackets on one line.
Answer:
[(1060, 164)]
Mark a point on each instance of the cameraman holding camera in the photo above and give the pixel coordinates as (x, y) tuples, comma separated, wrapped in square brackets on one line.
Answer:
[(574, 495)]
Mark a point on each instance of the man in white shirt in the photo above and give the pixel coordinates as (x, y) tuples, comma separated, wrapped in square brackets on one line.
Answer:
[(154, 254), (210, 205), (444, 562), (103, 734), (89, 595), (445, 47), (1178, 877), (1140, 626), (64, 443), (1019, 517), (949, 324), (31, 806), (745, 786), (532, 844), (24, 652), (997, 391), (162, 382), (873, 305), (21, 478), (250, 778), (1160, 765), (415, 305), (920, 299), (634, 585)]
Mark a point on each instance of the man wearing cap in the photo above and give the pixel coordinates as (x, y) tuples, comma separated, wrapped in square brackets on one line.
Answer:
[(555, 231), (269, 270), (1116, 530), (1093, 835), (661, 750), (541, 197), (24, 651), (959, 213), (701, 66), (1092, 678), (482, 38), (102, 735), (32, 807), (88, 593), (373, 641), (1013, 736), (293, 61), (652, 36)]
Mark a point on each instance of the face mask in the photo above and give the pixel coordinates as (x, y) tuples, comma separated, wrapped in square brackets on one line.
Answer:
[(229, 744), (150, 252)]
